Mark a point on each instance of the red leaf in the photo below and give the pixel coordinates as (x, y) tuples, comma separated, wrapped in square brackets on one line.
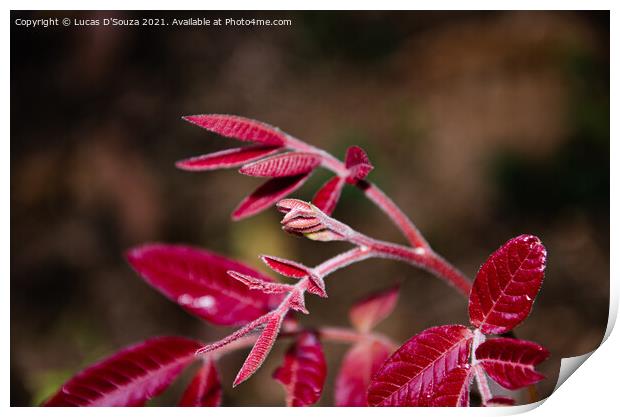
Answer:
[(360, 363), (507, 284), (285, 267), (329, 194), (205, 389), (198, 281), (412, 374), (296, 270), (303, 371), (130, 377), (228, 158), (453, 391), (282, 165), (355, 156), (267, 195), (368, 312), (261, 349), (358, 164), (260, 285), (500, 402), (239, 128), (511, 362)]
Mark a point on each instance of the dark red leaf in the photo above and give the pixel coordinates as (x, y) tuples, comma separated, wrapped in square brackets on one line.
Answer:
[(500, 402), (358, 164), (453, 391), (412, 374), (327, 197), (239, 128), (228, 158), (368, 312), (130, 377), (507, 284), (360, 363), (303, 371), (511, 362), (198, 281), (282, 165), (205, 389), (261, 349), (267, 195)]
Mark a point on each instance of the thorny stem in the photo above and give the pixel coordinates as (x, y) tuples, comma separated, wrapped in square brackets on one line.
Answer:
[(421, 255)]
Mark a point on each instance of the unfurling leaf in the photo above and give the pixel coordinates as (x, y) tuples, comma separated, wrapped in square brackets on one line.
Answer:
[(412, 374), (261, 348), (328, 195), (239, 128), (293, 269), (197, 280), (360, 363), (368, 312), (507, 284), (358, 164), (267, 195), (282, 165), (511, 362), (453, 391), (228, 158), (303, 371), (306, 219), (205, 389), (130, 377)]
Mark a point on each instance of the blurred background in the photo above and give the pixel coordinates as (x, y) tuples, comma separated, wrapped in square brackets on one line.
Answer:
[(482, 126)]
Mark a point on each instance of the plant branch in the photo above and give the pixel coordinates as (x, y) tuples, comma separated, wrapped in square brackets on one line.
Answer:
[(374, 193)]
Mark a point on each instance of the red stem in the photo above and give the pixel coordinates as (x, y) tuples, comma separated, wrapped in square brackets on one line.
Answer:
[(422, 256)]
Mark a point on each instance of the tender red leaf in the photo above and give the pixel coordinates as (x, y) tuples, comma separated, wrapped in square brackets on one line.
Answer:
[(368, 312), (507, 284), (358, 164), (267, 195), (453, 391), (355, 156), (228, 158), (303, 371), (260, 285), (296, 270), (412, 374), (328, 195), (205, 389), (360, 363), (197, 280), (282, 165), (511, 362), (239, 128), (285, 267), (500, 402), (130, 377), (261, 349)]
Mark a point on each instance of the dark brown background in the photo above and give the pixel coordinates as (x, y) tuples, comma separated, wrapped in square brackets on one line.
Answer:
[(482, 126)]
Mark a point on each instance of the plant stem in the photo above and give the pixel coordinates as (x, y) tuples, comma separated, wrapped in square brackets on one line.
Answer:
[(421, 255), (481, 378)]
